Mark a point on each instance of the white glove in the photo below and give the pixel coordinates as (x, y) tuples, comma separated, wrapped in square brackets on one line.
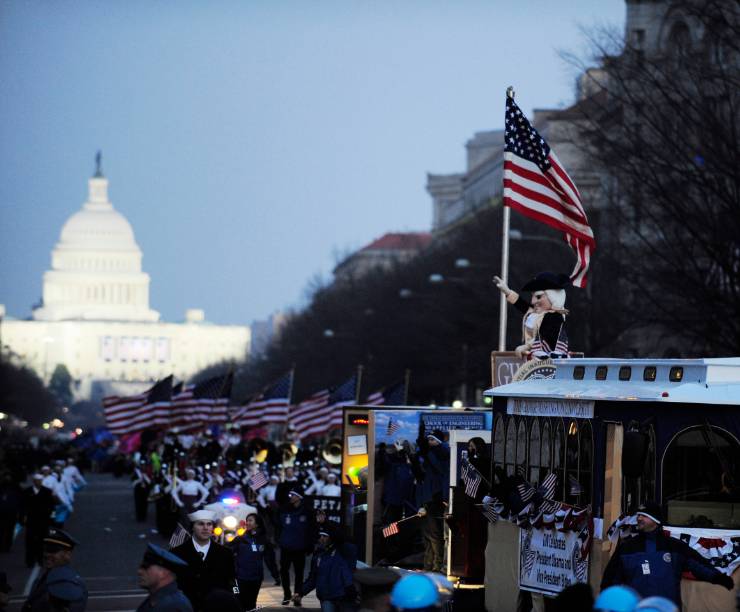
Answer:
[(523, 350), (399, 445), (501, 285), (487, 499)]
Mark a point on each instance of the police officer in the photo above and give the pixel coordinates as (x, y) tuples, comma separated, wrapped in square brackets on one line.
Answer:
[(210, 565), (157, 574), (59, 585)]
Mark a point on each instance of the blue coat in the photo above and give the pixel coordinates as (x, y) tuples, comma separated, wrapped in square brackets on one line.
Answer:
[(250, 556), (330, 575), (652, 564), (296, 528)]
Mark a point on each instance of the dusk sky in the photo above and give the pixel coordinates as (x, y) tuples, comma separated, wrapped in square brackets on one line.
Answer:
[(250, 143)]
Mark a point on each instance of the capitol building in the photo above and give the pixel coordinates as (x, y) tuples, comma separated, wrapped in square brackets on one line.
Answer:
[(95, 317)]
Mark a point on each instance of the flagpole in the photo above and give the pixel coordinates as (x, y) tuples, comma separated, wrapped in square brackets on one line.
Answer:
[(503, 305), (359, 384), (406, 383)]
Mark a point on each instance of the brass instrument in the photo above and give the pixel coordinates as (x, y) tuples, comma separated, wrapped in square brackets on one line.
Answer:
[(332, 451)]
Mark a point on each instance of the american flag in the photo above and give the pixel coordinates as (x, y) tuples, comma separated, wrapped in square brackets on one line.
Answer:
[(393, 427), (272, 404), (547, 488), (489, 511), (322, 412), (536, 185), (179, 536), (394, 395), (526, 491), (212, 398), (392, 529), (137, 413), (471, 479), (258, 480)]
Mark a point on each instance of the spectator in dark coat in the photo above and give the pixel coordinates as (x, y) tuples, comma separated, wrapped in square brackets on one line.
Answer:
[(36, 509), (331, 576), (10, 510)]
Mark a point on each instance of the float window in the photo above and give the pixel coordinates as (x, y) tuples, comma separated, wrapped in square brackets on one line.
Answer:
[(700, 478)]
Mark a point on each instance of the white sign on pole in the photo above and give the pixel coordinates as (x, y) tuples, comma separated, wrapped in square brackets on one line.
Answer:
[(527, 406), (550, 560)]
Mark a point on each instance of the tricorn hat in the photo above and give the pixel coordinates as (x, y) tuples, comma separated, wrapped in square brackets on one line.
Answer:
[(547, 280)]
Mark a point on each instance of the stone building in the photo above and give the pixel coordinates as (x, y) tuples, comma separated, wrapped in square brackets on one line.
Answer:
[(95, 319)]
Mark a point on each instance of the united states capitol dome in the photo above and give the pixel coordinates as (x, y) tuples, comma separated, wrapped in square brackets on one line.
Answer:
[(96, 266)]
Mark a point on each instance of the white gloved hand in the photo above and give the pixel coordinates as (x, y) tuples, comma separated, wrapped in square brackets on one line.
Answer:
[(501, 285), (523, 350), (399, 445), (487, 499)]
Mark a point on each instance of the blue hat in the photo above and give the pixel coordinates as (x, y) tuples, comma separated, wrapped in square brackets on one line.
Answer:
[(657, 604), (414, 592), (65, 583), (155, 555), (617, 599)]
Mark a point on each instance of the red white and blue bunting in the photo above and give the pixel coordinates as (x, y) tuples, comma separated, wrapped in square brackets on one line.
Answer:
[(720, 546)]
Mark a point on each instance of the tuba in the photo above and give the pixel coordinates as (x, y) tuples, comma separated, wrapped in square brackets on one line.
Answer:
[(288, 452), (332, 451)]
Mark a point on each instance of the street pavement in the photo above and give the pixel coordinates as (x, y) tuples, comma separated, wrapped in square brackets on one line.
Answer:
[(111, 546)]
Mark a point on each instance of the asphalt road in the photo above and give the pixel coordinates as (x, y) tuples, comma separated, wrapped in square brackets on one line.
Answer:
[(111, 546)]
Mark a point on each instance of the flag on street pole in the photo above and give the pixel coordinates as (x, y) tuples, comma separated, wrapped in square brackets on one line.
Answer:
[(270, 406), (393, 395), (140, 412), (537, 185)]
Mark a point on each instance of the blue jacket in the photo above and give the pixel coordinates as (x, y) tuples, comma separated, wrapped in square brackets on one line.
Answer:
[(249, 552), (296, 528), (652, 564), (436, 480), (330, 575)]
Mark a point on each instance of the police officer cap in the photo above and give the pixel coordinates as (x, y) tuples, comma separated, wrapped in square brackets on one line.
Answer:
[(376, 577), (65, 583), (155, 555), (617, 599), (651, 510), (547, 280), (59, 540)]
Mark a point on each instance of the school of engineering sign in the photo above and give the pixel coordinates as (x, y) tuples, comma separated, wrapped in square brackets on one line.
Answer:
[(527, 406)]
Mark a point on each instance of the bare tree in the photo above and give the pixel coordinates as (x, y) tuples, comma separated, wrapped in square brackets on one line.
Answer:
[(662, 124)]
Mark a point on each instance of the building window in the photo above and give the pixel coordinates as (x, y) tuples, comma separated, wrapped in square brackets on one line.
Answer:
[(700, 470), (510, 451), (558, 454), (521, 448), (636, 491), (535, 445), (499, 442)]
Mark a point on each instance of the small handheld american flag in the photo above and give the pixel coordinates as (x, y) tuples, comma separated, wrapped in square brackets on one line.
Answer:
[(257, 481), (471, 478), (392, 529), (179, 536)]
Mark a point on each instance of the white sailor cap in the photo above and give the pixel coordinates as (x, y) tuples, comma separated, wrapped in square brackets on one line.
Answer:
[(202, 515)]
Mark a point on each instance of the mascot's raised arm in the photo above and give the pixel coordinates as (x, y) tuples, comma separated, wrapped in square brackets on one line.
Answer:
[(544, 333)]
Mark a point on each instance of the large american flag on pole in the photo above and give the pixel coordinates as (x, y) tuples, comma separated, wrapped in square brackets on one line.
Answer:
[(137, 413), (322, 412), (393, 395), (537, 185), (270, 406)]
